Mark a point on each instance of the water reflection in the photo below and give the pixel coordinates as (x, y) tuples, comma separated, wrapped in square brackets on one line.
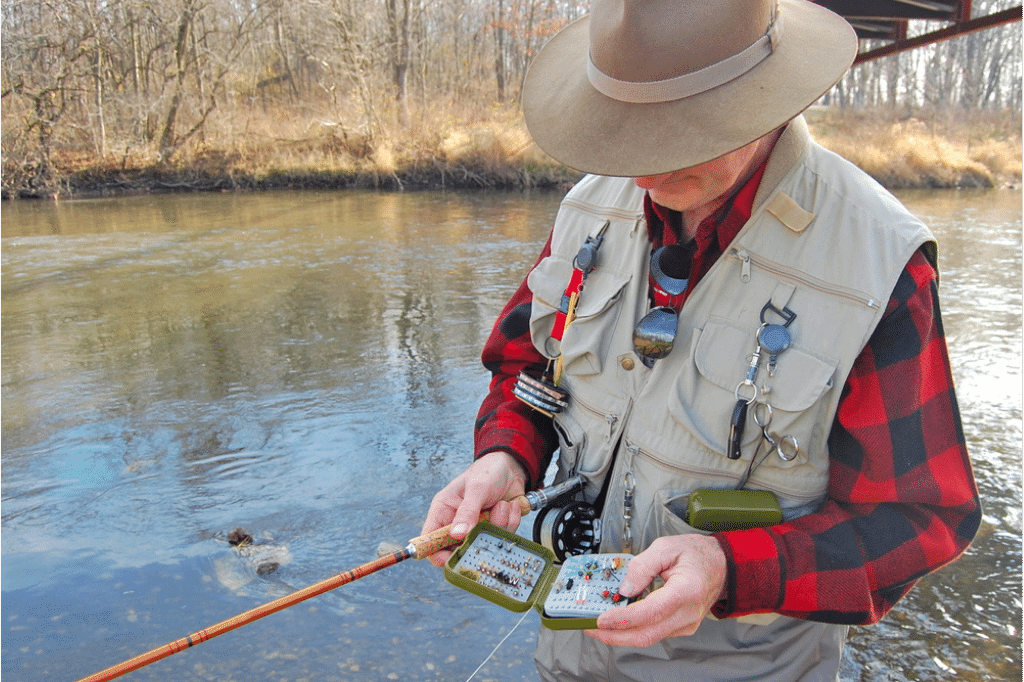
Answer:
[(305, 365)]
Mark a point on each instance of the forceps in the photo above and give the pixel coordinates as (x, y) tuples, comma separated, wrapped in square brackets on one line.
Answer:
[(786, 446)]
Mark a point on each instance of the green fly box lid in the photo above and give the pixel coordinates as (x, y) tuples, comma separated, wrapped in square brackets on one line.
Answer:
[(518, 574)]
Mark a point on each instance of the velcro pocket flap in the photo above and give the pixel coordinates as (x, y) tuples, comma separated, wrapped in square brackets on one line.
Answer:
[(801, 377)]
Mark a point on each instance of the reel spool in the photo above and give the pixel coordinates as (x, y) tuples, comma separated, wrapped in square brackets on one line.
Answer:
[(568, 531)]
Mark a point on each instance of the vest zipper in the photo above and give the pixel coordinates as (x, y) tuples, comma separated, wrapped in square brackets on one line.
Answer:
[(746, 260), (636, 450), (608, 417), (601, 210)]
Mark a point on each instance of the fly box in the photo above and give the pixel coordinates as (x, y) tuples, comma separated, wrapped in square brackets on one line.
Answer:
[(517, 574)]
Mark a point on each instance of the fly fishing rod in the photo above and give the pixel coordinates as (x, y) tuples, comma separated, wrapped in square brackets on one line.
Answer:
[(418, 548)]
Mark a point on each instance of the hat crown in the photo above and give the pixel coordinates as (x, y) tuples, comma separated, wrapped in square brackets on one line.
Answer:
[(642, 87), (652, 40)]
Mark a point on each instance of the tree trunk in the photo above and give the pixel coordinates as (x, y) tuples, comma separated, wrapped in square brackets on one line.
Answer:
[(168, 138), (398, 27), (499, 50), (101, 125)]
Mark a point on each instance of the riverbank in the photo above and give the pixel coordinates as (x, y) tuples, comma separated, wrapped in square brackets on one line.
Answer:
[(911, 152)]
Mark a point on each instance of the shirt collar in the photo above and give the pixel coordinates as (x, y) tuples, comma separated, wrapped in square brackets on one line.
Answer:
[(726, 222)]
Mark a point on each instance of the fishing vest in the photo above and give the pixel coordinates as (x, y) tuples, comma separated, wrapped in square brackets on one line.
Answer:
[(825, 242)]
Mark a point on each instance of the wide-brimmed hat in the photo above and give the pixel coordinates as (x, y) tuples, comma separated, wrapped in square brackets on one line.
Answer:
[(641, 87)]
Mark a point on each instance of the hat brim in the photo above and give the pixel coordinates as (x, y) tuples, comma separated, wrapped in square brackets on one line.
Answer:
[(590, 132)]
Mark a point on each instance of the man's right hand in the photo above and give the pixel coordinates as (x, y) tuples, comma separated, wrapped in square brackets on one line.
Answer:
[(486, 485)]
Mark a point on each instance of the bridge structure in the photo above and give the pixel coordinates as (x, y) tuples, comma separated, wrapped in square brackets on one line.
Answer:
[(887, 21)]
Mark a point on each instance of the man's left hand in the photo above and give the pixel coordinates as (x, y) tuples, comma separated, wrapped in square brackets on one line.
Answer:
[(694, 570)]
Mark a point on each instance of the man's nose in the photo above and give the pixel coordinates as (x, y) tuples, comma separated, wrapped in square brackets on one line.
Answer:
[(650, 181)]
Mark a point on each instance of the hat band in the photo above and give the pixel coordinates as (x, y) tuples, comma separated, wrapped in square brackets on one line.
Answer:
[(688, 84)]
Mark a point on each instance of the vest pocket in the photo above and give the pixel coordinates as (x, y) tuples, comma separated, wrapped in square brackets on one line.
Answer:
[(586, 339), (669, 515), (586, 438), (704, 399), (571, 440)]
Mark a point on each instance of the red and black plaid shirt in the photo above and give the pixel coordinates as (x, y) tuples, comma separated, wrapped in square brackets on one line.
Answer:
[(902, 500)]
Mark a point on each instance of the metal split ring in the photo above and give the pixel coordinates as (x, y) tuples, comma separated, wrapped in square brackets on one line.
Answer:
[(752, 398)]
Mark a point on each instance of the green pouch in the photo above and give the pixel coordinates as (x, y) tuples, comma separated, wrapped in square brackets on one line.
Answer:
[(719, 510)]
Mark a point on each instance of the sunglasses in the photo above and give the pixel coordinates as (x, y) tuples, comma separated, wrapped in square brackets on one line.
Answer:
[(655, 333)]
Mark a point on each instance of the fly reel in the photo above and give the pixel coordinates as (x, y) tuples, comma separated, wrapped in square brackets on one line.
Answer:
[(568, 531)]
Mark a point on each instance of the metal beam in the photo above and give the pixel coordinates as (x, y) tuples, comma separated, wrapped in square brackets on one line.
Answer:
[(894, 9), (874, 29), (980, 23), (943, 7)]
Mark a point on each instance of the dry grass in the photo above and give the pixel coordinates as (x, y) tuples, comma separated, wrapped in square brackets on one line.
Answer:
[(305, 146), (922, 152)]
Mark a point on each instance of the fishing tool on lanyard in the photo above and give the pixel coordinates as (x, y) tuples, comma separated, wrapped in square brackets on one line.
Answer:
[(418, 548), (774, 338), (543, 394)]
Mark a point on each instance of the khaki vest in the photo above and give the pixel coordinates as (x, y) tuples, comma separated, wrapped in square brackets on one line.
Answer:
[(824, 241)]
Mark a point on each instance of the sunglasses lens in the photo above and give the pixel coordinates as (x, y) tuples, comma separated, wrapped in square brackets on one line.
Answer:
[(655, 334), (670, 268)]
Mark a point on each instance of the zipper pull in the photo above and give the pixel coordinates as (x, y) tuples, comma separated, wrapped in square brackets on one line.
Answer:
[(611, 419), (745, 263)]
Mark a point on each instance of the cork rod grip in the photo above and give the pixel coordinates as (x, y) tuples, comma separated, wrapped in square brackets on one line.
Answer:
[(434, 542)]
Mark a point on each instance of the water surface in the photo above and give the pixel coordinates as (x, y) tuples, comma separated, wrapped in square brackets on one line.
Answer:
[(304, 365)]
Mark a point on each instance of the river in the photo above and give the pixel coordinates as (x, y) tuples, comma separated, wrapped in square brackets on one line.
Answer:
[(304, 365)]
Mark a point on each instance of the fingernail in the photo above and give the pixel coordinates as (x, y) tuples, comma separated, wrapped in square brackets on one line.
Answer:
[(459, 529)]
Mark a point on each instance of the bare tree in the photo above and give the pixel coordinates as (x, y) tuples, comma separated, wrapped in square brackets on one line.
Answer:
[(91, 77), (398, 30)]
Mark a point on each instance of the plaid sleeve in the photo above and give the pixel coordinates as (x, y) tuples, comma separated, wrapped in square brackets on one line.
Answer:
[(504, 422), (902, 498)]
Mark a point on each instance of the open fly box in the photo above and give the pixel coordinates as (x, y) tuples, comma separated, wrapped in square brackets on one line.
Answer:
[(517, 574)]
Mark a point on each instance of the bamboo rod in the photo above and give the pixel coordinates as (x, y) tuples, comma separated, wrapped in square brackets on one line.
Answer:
[(419, 548), (249, 616)]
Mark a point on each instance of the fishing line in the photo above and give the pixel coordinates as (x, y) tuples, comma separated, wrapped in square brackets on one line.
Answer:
[(498, 646)]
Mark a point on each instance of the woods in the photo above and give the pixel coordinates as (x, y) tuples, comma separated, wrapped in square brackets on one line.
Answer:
[(337, 86)]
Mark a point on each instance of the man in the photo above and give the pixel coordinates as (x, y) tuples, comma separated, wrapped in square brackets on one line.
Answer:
[(789, 341)]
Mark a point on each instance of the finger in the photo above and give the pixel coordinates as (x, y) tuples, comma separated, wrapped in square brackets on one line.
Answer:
[(642, 628), (467, 516), (480, 493), (657, 607), (642, 570), (439, 559), (509, 515), (443, 507), (663, 613), (641, 637)]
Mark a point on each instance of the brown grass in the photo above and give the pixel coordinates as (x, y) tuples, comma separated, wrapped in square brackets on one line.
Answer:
[(925, 152), (303, 147)]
